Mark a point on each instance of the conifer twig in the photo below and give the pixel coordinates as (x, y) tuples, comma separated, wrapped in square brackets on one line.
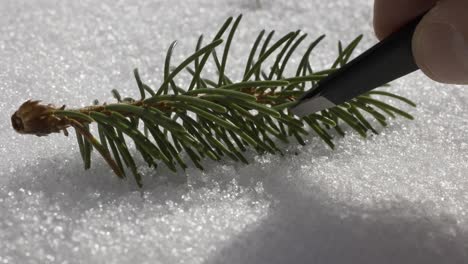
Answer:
[(212, 118)]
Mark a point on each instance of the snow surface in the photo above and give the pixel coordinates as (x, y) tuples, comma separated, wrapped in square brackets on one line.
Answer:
[(400, 197)]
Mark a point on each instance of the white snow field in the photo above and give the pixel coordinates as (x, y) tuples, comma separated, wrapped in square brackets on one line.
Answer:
[(399, 197)]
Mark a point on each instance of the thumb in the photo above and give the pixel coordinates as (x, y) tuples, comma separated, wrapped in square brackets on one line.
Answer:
[(440, 42)]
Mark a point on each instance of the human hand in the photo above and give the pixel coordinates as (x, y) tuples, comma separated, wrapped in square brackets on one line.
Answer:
[(440, 42)]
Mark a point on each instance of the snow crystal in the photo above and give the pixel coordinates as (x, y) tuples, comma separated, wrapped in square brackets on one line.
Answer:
[(399, 197)]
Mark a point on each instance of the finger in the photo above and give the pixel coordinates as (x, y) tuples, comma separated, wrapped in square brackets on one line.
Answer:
[(440, 42), (390, 15)]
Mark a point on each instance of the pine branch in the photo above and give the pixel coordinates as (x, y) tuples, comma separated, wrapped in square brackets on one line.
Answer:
[(212, 118)]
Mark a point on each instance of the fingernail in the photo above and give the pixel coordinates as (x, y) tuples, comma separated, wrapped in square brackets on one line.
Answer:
[(441, 51)]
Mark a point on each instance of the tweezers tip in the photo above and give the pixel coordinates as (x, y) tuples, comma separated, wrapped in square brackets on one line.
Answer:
[(311, 105)]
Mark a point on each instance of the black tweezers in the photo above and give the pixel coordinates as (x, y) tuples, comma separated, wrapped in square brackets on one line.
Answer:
[(388, 60)]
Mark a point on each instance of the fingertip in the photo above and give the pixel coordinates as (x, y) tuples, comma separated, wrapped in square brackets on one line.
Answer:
[(391, 15), (379, 19), (440, 43)]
